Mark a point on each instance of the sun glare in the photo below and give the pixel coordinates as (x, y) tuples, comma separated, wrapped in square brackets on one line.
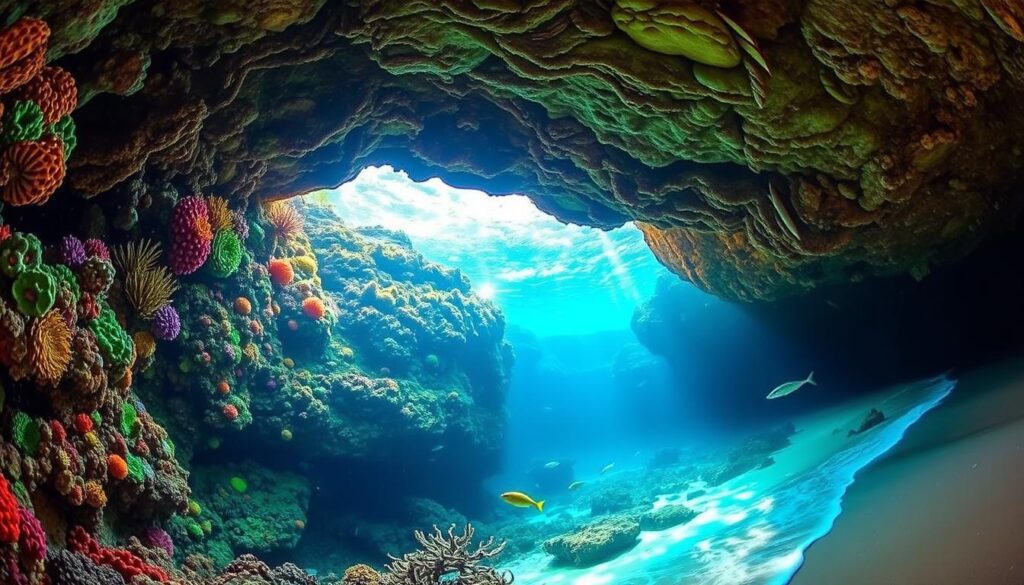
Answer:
[(486, 291)]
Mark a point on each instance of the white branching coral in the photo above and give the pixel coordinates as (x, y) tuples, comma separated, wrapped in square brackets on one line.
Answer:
[(447, 558)]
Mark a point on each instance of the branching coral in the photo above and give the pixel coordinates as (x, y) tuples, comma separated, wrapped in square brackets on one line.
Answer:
[(284, 219), (148, 285), (442, 555), (50, 347)]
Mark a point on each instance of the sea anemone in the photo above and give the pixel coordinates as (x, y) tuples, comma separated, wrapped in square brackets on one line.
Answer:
[(284, 219), (313, 307), (219, 213), (166, 323), (281, 271), (148, 286), (191, 235), (50, 347)]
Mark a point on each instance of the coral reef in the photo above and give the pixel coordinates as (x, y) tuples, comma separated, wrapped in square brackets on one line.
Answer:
[(448, 556), (595, 542)]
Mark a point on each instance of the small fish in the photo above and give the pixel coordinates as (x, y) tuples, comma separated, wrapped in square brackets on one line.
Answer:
[(547, 409), (437, 448), (791, 387), (575, 485), (521, 500), (551, 465), (607, 468)]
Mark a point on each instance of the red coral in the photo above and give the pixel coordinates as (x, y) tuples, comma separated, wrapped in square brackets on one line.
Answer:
[(34, 169), (122, 561), (281, 271), (190, 235), (59, 433), (83, 423), (22, 50), (10, 518), (54, 90), (95, 248), (230, 412)]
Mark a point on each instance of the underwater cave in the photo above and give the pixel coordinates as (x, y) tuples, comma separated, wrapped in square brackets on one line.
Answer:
[(567, 292)]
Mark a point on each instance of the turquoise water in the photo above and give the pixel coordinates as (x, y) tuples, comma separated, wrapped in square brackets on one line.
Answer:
[(755, 529), (587, 402)]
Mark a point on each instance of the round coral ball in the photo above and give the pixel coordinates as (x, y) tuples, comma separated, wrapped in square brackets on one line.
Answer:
[(10, 518), (83, 423), (281, 271), (313, 307), (223, 387), (243, 306), (117, 467), (230, 411)]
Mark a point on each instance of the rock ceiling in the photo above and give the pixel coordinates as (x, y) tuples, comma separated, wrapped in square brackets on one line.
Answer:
[(765, 147)]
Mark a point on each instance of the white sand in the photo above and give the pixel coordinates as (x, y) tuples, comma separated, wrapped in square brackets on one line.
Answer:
[(946, 506)]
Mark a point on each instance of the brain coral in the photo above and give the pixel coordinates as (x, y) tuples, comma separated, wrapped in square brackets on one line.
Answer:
[(115, 344), (54, 90), (226, 253), (191, 235), (34, 169), (22, 49)]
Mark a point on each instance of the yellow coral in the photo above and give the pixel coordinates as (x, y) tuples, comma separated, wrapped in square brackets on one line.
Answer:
[(148, 286), (91, 439), (251, 351), (306, 263), (94, 494), (285, 220), (50, 347), (145, 343), (219, 213)]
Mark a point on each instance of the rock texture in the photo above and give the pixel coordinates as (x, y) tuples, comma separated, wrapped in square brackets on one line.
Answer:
[(595, 542), (766, 147)]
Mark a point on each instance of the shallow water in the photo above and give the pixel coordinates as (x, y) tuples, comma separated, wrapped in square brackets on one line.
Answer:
[(755, 528)]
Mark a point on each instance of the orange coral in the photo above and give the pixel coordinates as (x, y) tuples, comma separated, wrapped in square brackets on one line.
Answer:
[(50, 347), (22, 50), (281, 271), (94, 494), (33, 169), (243, 306), (285, 220), (117, 467), (54, 90), (145, 343), (314, 308), (223, 388)]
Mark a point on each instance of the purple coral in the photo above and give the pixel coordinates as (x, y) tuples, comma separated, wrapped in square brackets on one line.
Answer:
[(241, 226), (166, 323), (156, 537), (72, 251), (32, 540)]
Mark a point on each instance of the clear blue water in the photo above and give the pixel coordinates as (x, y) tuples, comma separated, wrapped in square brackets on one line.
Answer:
[(585, 394)]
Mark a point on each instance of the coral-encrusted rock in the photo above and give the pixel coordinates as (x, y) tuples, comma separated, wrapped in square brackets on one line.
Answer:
[(766, 147), (666, 517), (596, 542)]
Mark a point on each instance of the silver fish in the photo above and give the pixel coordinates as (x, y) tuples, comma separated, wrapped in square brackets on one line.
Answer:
[(791, 387), (551, 465)]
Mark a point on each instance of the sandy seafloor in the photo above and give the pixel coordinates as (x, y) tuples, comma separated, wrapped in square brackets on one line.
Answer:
[(755, 528), (946, 505)]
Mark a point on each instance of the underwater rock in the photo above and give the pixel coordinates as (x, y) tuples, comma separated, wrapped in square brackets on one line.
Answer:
[(595, 542), (872, 148), (666, 517), (873, 418)]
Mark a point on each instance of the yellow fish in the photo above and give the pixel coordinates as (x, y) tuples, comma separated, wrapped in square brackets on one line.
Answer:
[(521, 500), (575, 485)]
